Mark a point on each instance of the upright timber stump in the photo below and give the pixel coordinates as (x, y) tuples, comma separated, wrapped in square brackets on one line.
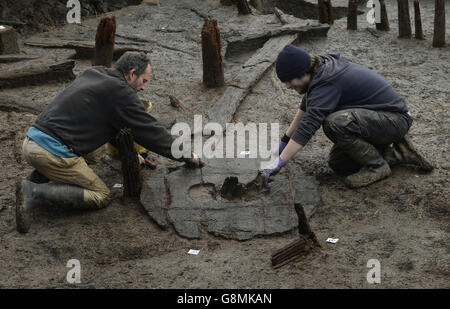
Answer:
[(384, 25), (8, 40), (211, 53), (243, 7), (132, 178), (417, 21), (439, 24), (404, 21), (326, 13), (104, 41), (352, 15)]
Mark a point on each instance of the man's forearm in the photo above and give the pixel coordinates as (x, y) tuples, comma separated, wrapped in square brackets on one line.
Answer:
[(291, 149), (294, 123)]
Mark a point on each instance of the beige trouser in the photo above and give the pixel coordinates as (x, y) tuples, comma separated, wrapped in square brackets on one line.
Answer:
[(72, 170)]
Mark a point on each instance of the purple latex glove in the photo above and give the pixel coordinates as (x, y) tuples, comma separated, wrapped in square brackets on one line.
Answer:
[(272, 171), (281, 147)]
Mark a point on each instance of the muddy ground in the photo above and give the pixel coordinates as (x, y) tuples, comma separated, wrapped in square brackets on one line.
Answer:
[(402, 221)]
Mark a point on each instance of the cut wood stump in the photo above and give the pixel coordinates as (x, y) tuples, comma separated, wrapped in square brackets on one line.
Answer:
[(384, 24), (404, 21), (326, 12), (352, 15), (417, 21), (8, 40), (104, 41), (296, 250), (439, 24), (243, 7), (213, 75), (37, 74), (132, 177)]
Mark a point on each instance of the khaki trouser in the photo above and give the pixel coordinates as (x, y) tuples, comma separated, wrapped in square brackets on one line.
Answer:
[(72, 170)]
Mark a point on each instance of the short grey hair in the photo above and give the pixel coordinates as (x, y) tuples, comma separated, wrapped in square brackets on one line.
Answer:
[(133, 60)]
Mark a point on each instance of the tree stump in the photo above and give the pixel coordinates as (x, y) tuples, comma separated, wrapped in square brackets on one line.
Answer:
[(104, 41), (404, 21), (384, 25), (296, 250), (352, 15), (8, 41), (417, 21), (132, 178), (243, 7), (326, 13), (439, 24), (211, 53)]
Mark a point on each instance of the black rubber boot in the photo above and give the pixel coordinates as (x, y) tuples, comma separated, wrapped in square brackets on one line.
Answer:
[(374, 167), (30, 195), (403, 152), (37, 177)]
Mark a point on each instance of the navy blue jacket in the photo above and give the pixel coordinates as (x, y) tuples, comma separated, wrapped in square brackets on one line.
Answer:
[(340, 84)]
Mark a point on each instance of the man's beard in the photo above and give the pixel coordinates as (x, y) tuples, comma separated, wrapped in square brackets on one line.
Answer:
[(134, 85)]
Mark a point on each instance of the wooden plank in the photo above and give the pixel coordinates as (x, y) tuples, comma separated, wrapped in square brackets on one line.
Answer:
[(37, 74), (16, 58)]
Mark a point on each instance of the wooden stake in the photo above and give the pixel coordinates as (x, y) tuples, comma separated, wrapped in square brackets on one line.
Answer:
[(326, 12), (352, 15), (384, 25), (404, 21), (8, 41), (323, 17), (417, 21), (211, 53), (132, 178), (439, 24), (243, 7), (330, 12), (104, 41)]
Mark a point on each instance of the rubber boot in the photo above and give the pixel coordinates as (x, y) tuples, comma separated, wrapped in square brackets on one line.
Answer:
[(37, 177), (374, 167), (403, 152), (30, 195)]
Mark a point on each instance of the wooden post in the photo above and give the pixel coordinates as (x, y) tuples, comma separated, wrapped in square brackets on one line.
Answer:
[(212, 57), (417, 21), (8, 40), (404, 21), (352, 15), (384, 25), (132, 178), (439, 24), (330, 12), (104, 41), (326, 13), (243, 7)]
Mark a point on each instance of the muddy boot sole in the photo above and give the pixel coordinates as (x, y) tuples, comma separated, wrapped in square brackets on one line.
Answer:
[(22, 213), (367, 176), (406, 146)]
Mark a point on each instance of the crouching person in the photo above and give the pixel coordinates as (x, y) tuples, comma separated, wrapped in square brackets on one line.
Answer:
[(74, 128)]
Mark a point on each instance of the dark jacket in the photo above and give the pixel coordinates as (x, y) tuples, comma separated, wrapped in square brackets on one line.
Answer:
[(91, 111), (340, 84)]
